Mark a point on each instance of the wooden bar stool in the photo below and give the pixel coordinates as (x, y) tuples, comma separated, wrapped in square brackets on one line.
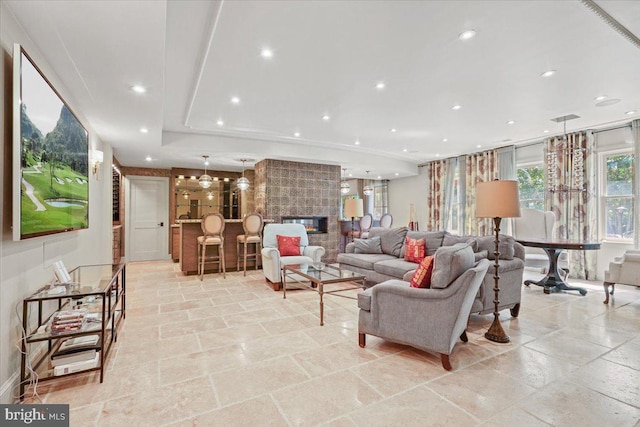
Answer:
[(213, 229), (252, 225)]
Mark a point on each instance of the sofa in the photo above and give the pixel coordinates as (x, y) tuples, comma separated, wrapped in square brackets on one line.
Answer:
[(388, 262)]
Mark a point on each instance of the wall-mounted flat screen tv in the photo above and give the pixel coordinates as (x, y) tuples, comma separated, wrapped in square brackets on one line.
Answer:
[(50, 156)]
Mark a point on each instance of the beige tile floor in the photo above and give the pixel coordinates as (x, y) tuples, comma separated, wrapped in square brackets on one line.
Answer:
[(231, 351)]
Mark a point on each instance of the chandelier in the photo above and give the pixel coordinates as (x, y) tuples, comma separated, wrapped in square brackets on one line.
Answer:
[(243, 183), (368, 189), (205, 180), (344, 185)]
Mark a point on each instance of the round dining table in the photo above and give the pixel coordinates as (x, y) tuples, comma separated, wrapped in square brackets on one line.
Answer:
[(552, 282)]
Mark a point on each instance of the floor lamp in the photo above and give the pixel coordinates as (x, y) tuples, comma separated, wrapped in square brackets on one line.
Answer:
[(353, 208), (497, 200)]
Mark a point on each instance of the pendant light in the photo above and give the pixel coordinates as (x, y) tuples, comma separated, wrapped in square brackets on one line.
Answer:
[(344, 185), (368, 189), (205, 180), (243, 183)]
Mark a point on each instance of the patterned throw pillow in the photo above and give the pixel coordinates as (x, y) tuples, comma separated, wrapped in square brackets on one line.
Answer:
[(422, 277), (288, 245), (414, 249)]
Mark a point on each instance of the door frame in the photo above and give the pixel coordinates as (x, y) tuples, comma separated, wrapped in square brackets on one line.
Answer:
[(127, 213)]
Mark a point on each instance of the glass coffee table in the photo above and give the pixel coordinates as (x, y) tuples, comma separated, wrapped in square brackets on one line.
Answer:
[(316, 276)]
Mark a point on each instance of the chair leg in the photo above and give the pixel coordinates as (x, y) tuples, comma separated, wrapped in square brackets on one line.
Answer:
[(515, 310), (238, 255), (204, 252), (446, 364), (464, 337), (362, 340), (224, 267), (245, 258)]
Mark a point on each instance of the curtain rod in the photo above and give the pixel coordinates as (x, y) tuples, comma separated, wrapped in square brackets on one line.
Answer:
[(529, 144)]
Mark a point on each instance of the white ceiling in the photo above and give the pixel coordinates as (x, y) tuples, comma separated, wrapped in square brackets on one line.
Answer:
[(328, 56)]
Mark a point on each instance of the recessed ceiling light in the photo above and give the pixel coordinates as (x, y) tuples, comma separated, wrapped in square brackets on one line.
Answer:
[(546, 131), (326, 118), (394, 130), (444, 139), (138, 89), (380, 85), (148, 158), (548, 73), (466, 35), (404, 150), (630, 113), (235, 100), (437, 155), (357, 142), (397, 174), (379, 177), (350, 174), (297, 134), (266, 53), (456, 107), (220, 122), (600, 98), (144, 130), (479, 146), (510, 122)]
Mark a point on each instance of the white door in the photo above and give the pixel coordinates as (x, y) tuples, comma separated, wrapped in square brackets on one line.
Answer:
[(148, 218)]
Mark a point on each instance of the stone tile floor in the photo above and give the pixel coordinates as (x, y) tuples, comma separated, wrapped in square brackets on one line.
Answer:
[(233, 352)]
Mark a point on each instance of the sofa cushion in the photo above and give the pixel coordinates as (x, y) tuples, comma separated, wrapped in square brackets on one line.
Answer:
[(451, 239), (480, 255), (449, 263), (288, 245), (414, 249), (365, 261), (391, 239), (368, 246), (433, 240), (422, 277), (394, 267), (506, 247)]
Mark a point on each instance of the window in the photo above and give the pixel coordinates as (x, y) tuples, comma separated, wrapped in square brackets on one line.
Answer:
[(531, 186), (380, 199), (617, 195)]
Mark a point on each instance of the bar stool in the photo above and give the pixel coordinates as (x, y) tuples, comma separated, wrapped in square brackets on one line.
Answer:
[(252, 225), (212, 226)]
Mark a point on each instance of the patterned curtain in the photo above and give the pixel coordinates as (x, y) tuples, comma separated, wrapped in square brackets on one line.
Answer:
[(570, 192), (480, 167), (436, 175)]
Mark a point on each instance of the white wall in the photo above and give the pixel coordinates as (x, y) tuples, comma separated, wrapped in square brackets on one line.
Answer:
[(25, 266), (403, 192)]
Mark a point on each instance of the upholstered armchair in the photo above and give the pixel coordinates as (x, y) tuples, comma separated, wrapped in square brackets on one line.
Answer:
[(427, 319), (272, 261), (624, 270)]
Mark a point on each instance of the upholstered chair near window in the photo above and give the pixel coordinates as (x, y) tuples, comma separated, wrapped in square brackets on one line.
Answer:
[(275, 254), (386, 220), (624, 270)]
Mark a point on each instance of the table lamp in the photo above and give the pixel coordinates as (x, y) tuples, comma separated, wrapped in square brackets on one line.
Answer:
[(353, 208), (497, 200)]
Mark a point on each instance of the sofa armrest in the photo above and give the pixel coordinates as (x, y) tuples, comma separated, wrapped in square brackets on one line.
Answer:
[(271, 254), (314, 252), (518, 250), (409, 275), (350, 248)]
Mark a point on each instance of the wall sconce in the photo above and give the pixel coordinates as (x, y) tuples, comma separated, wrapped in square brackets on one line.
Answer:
[(97, 158)]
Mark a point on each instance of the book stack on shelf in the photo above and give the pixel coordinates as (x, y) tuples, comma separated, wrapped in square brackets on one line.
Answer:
[(68, 321), (76, 354)]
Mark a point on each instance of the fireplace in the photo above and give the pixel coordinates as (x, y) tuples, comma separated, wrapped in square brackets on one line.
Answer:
[(313, 224)]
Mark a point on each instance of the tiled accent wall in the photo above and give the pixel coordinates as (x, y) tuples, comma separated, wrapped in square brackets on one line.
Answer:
[(301, 189)]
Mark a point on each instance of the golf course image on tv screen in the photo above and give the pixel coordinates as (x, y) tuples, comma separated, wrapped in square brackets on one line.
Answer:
[(54, 185)]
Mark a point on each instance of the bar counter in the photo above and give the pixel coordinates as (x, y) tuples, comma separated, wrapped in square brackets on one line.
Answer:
[(185, 245)]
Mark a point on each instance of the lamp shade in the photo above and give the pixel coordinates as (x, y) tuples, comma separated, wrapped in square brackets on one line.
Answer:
[(353, 208), (497, 199)]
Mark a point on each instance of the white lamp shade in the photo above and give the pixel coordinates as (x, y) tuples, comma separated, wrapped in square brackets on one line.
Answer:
[(497, 199), (353, 208)]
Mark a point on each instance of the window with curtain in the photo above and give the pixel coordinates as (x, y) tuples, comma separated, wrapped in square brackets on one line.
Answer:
[(531, 186), (380, 199), (617, 201)]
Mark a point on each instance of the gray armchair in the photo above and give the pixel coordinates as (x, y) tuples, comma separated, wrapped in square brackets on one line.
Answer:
[(624, 270), (427, 319)]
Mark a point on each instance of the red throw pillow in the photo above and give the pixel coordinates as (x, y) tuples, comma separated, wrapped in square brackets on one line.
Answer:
[(414, 249), (422, 277), (288, 245)]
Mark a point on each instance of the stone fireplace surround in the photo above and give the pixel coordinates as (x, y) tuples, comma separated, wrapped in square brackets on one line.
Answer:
[(284, 188)]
